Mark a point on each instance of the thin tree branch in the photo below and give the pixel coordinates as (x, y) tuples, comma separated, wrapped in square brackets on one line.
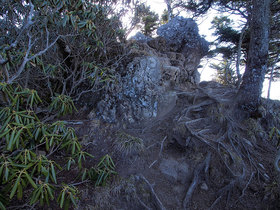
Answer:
[(26, 59), (26, 26)]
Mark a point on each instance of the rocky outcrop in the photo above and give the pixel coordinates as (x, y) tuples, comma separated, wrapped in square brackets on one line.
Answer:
[(182, 36), (151, 72), (140, 37)]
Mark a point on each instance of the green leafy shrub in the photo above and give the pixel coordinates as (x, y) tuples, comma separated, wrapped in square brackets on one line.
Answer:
[(68, 194), (63, 105), (26, 146), (99, 174), (36, 54), (44, 193)]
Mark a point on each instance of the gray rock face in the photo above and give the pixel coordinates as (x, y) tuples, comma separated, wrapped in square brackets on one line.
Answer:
[(182, 34), (143, 92), (155, 67), (140, 37), (138, 88)]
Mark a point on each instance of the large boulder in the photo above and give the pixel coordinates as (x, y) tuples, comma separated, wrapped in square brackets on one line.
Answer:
[(144, 92), (140, 37), (182, 35), (151, 72)]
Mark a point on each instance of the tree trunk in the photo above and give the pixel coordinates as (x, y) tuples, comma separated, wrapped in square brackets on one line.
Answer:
[(239, 55), (271, 76), (169, 9), (249, 93), (270, 81)]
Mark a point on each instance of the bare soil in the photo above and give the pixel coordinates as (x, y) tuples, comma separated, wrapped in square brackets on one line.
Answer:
[(194, 156)]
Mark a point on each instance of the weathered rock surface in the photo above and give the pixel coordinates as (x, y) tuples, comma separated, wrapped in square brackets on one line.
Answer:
[(182, 35), (151, 72), (140, 37)]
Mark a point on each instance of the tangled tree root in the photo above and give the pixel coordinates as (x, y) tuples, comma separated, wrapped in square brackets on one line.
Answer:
[(224, 134), (155, 198), (196, 180)]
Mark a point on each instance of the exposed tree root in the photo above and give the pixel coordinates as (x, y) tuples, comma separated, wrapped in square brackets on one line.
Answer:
[(246, 186), (143, 204), (226, 190), (160, 152), (226, 135), (157, 201), (196, 180)]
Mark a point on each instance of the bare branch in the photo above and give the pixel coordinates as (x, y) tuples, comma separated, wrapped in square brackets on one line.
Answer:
[(23, 28), (46, 49), (6, 73), (241, 37), (26, 59)]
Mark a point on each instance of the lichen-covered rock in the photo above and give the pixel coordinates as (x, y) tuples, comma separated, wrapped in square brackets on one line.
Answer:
[(151, 71), (140, 37), (182, 35), (140, 92)]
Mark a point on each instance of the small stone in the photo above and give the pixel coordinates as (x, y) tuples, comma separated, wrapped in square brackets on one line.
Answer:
[(204, 186)]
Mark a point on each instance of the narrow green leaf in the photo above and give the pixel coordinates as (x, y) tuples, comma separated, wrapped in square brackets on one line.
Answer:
[(72, 199), (30, 180), (18, 134), (2, 207), (6, 173), (53, 173), (15, 187), (68, 165), (11, 141), (37, 133), (19, 192), (62, 199), (32, 100), (6, 122), (17, 119), (67, 204), (4, 133), (84, 175), (1, 170), (35, 196), (47, 197), (50, 192)]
